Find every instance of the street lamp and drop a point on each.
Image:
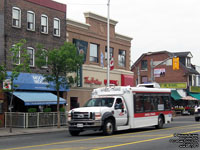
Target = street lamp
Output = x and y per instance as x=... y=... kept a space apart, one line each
x=108 y=45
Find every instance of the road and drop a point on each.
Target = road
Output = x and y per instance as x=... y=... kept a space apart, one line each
x=137 y=139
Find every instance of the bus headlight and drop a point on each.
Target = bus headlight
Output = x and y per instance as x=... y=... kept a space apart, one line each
x=97 y=116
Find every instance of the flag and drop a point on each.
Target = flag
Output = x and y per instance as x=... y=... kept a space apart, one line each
x=112 y=64
x=102 y=64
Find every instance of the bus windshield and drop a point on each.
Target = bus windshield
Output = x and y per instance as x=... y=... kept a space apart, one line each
x=99 y=102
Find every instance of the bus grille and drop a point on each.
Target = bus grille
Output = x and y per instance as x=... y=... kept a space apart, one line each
x=82 y=115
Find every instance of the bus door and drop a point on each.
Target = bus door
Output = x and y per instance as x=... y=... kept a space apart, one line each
x=120 y=112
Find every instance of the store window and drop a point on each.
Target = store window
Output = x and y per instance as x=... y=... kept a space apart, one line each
x=94 y=53
x=56 y=27
x=16 y=17
x=144 y=65
x=31 y=53
x=122 y=58
x=44 y=24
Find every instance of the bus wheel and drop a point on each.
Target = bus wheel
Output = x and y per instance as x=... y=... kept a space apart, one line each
x=108 y=127
x=160 y=123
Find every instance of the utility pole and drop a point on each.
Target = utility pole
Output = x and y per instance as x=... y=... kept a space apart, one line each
x=108 y=45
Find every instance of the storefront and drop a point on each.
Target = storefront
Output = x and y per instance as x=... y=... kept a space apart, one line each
x=33 y=91
x=94 y=77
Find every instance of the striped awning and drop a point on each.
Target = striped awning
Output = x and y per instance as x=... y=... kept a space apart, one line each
x=190 y=98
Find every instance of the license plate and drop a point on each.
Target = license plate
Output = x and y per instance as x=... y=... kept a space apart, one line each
x=79 y=125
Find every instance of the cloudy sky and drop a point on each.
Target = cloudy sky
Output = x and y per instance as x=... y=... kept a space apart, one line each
x=154 y=25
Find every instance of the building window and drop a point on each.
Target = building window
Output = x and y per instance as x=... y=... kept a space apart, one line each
x=122 y=58
x=16 y=56
x=16 y=17
x=144 y=65
x=46 y=58
x=44 y=24
x=94 y=53
x=188 y=62
x=31 y=53
x=111 y=52
x=144 y=79
x=56 y=27
x=31 y=20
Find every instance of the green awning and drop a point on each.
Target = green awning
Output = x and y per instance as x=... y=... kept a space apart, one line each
x=175 y=95
x=195 y=95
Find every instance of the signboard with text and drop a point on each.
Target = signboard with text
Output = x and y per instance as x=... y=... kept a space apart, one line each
x=180 y=85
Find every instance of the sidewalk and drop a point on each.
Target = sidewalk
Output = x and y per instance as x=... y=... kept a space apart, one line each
x=23 y=131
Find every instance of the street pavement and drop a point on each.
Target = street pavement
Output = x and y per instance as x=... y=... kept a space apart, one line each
x=23 y=131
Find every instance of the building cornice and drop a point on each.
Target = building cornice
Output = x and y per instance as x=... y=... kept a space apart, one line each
x=98 y=17
x=77 y=24
x=123 y=37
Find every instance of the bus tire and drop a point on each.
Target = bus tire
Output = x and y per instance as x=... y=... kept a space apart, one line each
x=160 y=123
x=74 y=132
x=108 y=127
x=196 y=119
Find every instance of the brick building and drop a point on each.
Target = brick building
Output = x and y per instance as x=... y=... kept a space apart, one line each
x=91 y=38
x=158 y=67
x=38 y=22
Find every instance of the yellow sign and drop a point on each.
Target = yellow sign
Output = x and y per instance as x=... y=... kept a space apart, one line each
x=181 y=85
x=195 y=89
x=175 y=63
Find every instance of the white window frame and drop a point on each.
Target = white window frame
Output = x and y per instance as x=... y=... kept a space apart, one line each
x=19 y=19
x=19 y=62
x=121 y=63
x=97 y=53
x=31 y=48
x=43 y=15
x=31 y=12
x=56 y=19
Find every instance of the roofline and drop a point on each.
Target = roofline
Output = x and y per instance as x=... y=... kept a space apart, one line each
x=100 y=18
x=77 y=24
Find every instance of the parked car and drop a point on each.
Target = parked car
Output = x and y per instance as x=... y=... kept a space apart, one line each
x=197 y=113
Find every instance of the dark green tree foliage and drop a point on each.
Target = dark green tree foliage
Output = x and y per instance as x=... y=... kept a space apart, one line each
x=59 y=63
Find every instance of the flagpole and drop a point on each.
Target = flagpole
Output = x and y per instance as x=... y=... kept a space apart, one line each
x=108 y=45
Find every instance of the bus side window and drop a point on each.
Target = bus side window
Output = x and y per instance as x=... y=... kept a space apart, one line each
x=166 y=102
x=138 y=100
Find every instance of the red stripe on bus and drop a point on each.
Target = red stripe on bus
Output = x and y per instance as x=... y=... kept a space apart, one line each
x=151 y=92
x=150 y=114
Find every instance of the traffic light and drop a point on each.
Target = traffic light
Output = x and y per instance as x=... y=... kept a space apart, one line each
x=175 y=63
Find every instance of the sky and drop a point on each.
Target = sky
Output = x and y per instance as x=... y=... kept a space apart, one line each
x=154 y=25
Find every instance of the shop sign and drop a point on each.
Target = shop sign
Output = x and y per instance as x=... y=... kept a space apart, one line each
x=180 y=85
x=7 y=84
x=195 y=89
x=92 y=81
x=115 y=82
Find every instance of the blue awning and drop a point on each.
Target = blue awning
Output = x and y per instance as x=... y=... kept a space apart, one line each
x=38 y=98
x=36 y=82
x=175 y=95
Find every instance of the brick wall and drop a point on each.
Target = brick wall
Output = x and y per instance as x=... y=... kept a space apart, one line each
x=170 y=74
x=49 y=41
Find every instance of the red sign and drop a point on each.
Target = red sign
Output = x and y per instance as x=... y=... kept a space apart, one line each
x=92 y=81
x=115 y=82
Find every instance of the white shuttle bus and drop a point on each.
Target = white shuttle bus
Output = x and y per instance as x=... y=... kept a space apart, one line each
x=120 y=108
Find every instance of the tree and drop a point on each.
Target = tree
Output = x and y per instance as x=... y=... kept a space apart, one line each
x=20 y=59
x=59 y=63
